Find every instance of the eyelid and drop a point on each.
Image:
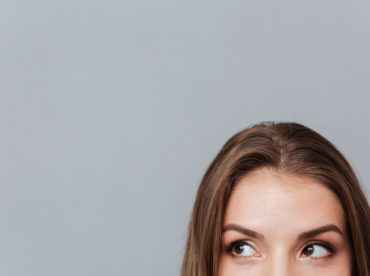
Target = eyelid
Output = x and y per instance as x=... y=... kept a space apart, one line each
x=330 y=248
x=229 y=248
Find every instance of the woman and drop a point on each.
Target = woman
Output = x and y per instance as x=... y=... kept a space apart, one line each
x=278 y=199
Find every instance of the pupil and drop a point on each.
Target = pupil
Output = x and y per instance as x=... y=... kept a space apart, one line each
x=239 y=249
x=308 y=250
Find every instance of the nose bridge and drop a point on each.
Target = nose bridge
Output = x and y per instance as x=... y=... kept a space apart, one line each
x=279 y=263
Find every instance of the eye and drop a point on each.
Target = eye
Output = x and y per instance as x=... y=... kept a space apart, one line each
x=318 y=250
x=240 y=249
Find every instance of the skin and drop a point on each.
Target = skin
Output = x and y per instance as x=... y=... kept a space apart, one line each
x=279 y=207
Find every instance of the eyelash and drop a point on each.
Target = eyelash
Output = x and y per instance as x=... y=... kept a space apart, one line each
x=329 y=247
x=229 y=249
x=231 y=246
x=326 y=245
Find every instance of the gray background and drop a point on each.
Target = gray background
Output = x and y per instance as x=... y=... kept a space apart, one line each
x=111 y=111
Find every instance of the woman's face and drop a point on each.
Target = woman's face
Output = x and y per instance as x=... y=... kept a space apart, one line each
x=280 y=224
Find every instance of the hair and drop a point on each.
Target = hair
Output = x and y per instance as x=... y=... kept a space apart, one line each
x=290 y=148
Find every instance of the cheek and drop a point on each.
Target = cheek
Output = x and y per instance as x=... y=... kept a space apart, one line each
x=340 y=265
x=229 y=267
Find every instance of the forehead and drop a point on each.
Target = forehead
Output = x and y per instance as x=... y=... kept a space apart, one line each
x=268 y=200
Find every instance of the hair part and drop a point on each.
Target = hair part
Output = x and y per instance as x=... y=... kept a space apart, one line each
x=289 y=148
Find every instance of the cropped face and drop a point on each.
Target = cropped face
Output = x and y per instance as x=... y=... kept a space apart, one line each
x=280 y=224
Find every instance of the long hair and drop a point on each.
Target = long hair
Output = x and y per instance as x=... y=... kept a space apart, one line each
x=289 y=147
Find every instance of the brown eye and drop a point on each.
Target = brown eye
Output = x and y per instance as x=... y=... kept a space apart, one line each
x=317 y=250
x=308 y=250
x=240 y=248
x=243 y=250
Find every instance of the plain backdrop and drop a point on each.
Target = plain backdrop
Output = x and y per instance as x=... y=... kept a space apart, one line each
x=111 y=111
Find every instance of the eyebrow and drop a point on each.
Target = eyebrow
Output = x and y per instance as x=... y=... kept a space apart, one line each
x=323 y=229
x=242 y=230
x=304 y=235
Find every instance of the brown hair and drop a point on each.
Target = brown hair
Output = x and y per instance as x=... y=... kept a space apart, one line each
x=286 y=146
